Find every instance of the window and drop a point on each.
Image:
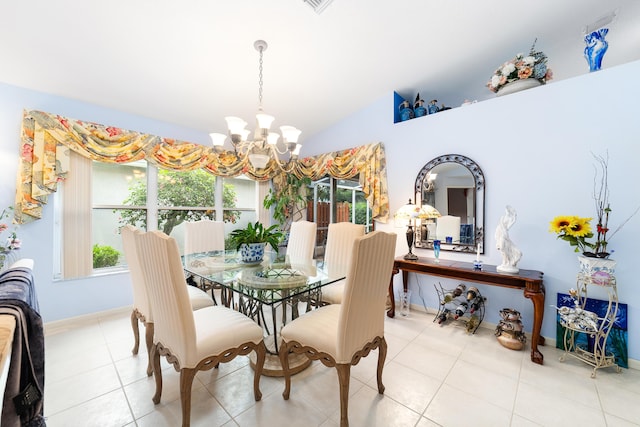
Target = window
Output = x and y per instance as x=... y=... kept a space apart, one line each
x=337 y=200
x=99 y=198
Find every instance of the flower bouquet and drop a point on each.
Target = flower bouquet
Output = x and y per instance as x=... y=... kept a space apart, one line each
x=532 y=66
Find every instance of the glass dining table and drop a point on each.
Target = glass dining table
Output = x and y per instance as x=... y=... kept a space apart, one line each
x=271 y=292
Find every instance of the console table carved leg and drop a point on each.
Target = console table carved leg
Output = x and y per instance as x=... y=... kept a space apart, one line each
x=392 y=310
x=537 y=298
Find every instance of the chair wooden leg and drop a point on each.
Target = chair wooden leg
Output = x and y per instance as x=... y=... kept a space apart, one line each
x=136 y=332
x=148 y=337
x=284 y=361
x=382 y=355
x=186 y=380
x=344 y=372
x=157 y=373
x=261 y=355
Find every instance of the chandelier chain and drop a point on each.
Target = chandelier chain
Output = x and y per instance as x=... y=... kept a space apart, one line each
x=260 y=80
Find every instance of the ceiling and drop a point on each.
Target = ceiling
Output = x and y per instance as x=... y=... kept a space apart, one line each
x=192 y=62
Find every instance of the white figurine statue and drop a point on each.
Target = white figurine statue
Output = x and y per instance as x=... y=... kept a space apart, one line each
x=510 y=253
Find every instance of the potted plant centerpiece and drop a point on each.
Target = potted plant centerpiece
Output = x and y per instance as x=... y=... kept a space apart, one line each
x=251 y=240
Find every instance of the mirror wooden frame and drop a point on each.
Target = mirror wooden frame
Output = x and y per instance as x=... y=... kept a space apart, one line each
x=479 y=185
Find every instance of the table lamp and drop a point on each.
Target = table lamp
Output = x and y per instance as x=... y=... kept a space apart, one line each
x=409 y=212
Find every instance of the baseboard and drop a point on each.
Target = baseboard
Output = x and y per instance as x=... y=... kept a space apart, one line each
x=57 y=326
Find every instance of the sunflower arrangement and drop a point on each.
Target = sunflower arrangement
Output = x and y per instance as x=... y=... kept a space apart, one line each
x=575 y=230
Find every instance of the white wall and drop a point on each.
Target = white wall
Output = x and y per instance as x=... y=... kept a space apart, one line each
x=534 y=148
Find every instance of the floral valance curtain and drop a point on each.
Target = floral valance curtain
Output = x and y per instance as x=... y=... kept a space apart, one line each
x=47 y=138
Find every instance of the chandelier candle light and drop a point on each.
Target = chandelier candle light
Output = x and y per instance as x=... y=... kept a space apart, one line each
x=265 y=144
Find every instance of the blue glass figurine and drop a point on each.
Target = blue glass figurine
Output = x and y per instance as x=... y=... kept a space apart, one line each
x=596 y=48
x=436 y=250
x=418 y=107
x=406 y=113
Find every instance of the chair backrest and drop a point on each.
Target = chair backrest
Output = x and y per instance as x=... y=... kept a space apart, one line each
x=340 y=238
x=448 y=226
x=163 y=273
x=140 y=297
x=302 y=242
x=362 y=311
x=203 y=236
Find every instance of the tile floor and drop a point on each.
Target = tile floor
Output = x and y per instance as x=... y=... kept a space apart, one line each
x=433 y=376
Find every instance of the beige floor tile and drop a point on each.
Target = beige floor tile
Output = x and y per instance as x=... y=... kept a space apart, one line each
x=454 y=407
x=368 y=408
x=434 y=376
x=549 y=407
x=407 y=386
x=108 y=410
x=497 y=389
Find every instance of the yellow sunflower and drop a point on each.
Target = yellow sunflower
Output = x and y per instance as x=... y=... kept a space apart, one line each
x=580 y=227
x=560 y=223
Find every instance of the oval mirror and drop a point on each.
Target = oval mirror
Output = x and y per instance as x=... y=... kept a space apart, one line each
x=450 y=189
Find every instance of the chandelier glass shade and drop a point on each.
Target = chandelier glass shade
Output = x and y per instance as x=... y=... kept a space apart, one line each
x=266 y=145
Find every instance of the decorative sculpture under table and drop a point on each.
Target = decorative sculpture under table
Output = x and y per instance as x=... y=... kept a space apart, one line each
x=510 y=331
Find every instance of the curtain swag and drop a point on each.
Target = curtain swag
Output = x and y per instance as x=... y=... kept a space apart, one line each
x=47 y=138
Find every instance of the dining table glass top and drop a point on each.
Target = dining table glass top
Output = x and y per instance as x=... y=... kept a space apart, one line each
x=271 y=281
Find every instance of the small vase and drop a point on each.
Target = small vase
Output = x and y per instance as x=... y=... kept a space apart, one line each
x=517 y=86
x=406 y=113
x=600 y=270
x=252 y=252
x=596 y=48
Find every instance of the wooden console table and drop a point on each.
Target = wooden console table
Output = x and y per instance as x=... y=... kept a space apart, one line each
x=530 y=281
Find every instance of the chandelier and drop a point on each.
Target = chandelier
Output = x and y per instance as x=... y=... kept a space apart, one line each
x=265 y=145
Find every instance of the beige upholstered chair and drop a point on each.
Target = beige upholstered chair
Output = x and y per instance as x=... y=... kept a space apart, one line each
x=203 y=236
x=141 y=308
x=448 y=226
x=349 y=331
x=191 y=340
x=302 y=242
x=340 y=238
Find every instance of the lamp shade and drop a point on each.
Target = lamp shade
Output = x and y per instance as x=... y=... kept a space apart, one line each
x=218 y=139
x=290 y=134
x=264 y=120
x=428 y=211
x=258 y=161
x=235 y=124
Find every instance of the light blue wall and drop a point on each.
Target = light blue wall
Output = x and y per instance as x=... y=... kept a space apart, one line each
x=535 y=150
x=63 y=299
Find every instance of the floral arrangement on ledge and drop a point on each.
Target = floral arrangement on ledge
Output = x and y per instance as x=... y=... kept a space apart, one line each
x=576 y=230
x=532 y=66
x=12 y=242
